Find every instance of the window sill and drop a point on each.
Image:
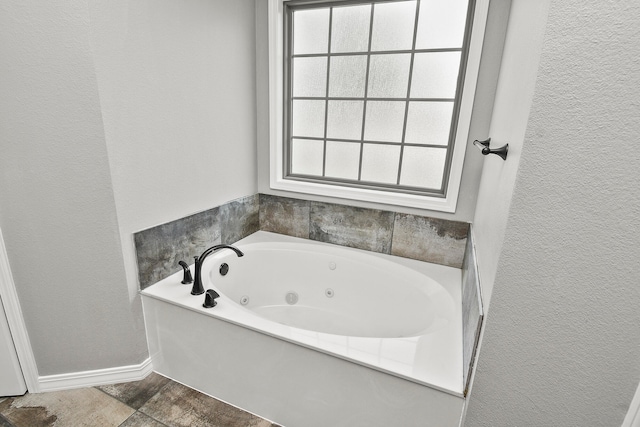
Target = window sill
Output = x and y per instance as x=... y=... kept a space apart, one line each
x=386 y=197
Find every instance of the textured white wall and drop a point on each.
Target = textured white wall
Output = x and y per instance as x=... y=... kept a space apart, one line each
x=57 y=209
x=519 y=68
x=177 y=90
x=116 y=116
x=562 y=339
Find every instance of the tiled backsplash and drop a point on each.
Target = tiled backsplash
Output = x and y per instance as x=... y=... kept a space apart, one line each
x=429 y=239
x=410 y=236
x=284 y=216
x=439 y=241
x=472 y=312
x=159 y=249
x=368 y=229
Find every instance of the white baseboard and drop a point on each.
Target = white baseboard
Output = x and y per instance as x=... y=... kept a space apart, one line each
x=16 y=323
x=633 y=415
x=34 y=382
x=94 y=378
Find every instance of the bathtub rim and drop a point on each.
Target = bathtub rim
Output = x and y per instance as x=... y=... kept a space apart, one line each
x=170 y=290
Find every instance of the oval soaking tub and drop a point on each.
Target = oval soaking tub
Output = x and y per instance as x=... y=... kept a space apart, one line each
x=333 y=290
x=287 y=296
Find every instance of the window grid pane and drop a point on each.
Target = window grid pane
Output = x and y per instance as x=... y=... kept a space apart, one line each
x=406 y=106
x=342 y=160
x=326 y=94
x=310 y=31
x=342 y=87
x=389 y=75
x=350 y=28
x=392 y=25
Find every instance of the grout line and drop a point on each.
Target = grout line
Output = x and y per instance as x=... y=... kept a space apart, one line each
x=127 y=419
x=125 y=403
x=158 y=421
x=4 y=421
x=217 y=399
x=142 y=413
x=309 y=220
x=102 y=391
x=154 y=395
x=393 y=230
x=114 y=397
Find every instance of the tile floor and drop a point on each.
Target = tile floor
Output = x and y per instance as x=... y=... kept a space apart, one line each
x=155 y=401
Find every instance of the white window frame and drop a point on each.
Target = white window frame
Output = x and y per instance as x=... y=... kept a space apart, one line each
x=276 y=133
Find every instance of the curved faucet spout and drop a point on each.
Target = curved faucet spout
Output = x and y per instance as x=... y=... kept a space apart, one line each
x=198 y=289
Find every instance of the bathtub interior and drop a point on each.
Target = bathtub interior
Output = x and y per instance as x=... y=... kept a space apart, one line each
x=333 y=290
x=408 y=325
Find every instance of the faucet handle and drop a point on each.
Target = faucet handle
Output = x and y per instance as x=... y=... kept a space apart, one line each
x=187 y=273
x=210 y=298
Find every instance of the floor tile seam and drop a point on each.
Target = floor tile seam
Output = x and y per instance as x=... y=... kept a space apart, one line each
x=171 y=381
x=114 y=398
x=192 y=410
x=127 y=419
x=5 y=420
x=146 y=415
x=143 y=403
x=159 y=390
x=153 y=418
x=154 y=395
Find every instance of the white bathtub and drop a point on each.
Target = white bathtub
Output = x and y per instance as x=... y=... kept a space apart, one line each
x=307 y=333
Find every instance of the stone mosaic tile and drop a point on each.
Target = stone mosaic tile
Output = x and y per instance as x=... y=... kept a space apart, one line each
x=239 y=218
x=284 y=215
x=139 y=419
x=80 y=407
x=361 y=228
x=136 y=393
x=472 y=313
x=180 y=406
x=429 y=239
x=159 y=249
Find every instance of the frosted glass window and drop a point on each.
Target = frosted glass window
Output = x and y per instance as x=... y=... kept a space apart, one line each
x=343 y=160
x=393 y=26
x=429 y=123
x=389 y=76
x=372 y=94
x=435 y=75
x=344 y=119
x=307 y=156
x=308 y=118
x=310 y=76
x=311 y=31
x=441 y=24
x=350 y=28
x=384 y=121
x=347 y=76
x=380 y=163
x=423 y=167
